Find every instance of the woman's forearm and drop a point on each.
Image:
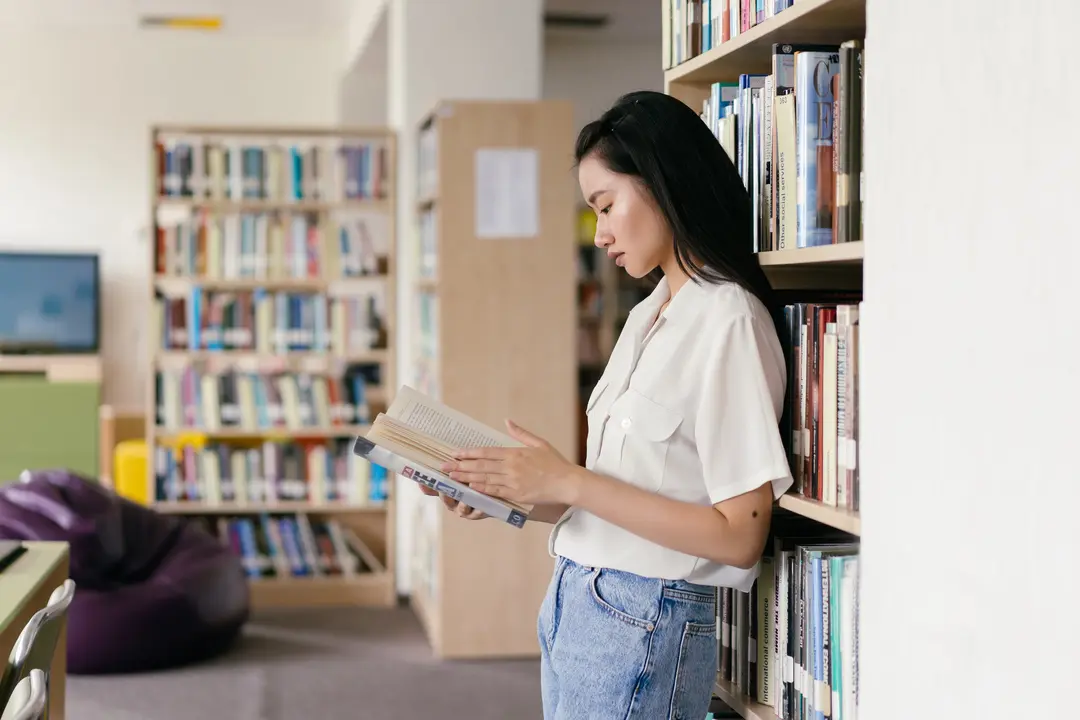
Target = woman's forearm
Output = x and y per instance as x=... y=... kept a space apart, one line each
x=549 y=514
x=699 y=530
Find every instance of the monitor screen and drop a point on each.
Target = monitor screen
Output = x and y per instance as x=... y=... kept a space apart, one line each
x=49 y=303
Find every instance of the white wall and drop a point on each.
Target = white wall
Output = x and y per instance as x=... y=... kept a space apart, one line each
x=365 y=88
x=593 y=75
x=970 y=379
x=75 y=111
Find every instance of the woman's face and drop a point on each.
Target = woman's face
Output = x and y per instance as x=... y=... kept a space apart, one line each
x=629 y=225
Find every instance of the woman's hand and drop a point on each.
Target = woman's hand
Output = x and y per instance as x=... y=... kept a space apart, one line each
x=460 y=509
x=532 y=475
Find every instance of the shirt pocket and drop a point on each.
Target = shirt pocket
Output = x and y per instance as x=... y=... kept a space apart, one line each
x=647 y=429
x=595 y=414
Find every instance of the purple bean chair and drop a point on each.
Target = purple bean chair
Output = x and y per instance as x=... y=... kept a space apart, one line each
x=153 y=591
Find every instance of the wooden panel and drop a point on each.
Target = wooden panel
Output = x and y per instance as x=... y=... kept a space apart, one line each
x=507 y=319
x=507 y=307
x=367 y=590
x=34 y=412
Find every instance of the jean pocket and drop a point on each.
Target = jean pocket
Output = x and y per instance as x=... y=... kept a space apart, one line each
x=631 y=598
x=695 y=673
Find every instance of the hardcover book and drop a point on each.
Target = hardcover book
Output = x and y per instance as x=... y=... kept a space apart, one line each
x=417 y=434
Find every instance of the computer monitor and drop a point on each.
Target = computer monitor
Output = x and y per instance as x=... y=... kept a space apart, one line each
x=49 y=303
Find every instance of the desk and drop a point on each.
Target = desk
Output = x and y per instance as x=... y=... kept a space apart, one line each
x=25 y=587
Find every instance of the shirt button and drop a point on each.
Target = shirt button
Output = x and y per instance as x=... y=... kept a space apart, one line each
x=626 y=423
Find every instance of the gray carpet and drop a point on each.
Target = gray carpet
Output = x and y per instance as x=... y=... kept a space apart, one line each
x=328 y=664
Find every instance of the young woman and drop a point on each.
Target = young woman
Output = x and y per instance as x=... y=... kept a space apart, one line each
x=684 y=454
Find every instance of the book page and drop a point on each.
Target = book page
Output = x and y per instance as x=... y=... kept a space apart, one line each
x=448 y=426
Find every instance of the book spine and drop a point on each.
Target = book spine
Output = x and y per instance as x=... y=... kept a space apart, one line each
x=439 y=482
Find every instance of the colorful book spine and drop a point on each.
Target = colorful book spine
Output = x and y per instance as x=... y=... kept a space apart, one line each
x=815 y=182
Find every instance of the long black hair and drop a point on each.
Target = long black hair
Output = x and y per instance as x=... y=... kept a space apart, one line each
x=665 y=145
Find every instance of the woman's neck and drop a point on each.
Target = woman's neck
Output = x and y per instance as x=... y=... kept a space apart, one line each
x=675 y=276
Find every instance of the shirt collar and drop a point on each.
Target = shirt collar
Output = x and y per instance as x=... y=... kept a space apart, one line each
x=685 y=301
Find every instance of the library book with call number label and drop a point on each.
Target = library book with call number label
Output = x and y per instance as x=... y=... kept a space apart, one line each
x=417 y=434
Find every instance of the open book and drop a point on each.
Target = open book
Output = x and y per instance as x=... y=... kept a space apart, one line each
x=417 y=434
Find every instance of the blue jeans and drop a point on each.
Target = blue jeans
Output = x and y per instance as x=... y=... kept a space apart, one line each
x=618 y=646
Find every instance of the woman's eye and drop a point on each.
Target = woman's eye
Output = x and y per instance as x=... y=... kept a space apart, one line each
x=605 y=210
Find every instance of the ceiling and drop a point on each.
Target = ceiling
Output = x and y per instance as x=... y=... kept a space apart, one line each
x=627 y=18
x=247 y=16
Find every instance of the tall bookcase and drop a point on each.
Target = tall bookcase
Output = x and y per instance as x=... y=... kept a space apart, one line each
x=790 y=646
x=271 y=347
x=496 y=338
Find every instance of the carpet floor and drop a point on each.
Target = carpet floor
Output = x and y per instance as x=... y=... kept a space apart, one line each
x=338 y=664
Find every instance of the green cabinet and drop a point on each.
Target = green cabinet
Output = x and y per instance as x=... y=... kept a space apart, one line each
x=48 y=424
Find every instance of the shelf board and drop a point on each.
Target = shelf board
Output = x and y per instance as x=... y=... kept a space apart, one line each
x=740 y=703
x=374 y=132
x=831 y=255
x=338 y=431
x=809 y=21
x=198 y=508
x=839 y=518
x=174 y=357
x=334 y=286
x=364 y=589
x=257 y=205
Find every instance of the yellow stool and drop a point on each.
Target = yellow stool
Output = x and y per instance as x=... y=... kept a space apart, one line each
x=129 y=471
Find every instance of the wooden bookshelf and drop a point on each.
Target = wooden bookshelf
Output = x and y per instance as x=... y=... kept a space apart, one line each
x=284 y=240
x=807 y=21
x=829 y=267
x=741 y=704
x=496 y=338
x=839 y=518
x=846 y=254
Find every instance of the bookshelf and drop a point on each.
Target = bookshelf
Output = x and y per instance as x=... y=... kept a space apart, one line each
x=271 y=348
x=731 y=66
x=495 y=337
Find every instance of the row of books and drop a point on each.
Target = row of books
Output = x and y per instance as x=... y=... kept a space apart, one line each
x=427 y=149
x=271 y=322
x=428 y=244
x=821 y=420
x=304 y=169
x=693 y=27
x=792 y=642
x=271 y=246
x=219 y=474
x=796 y=137
x=428 y=347
x=279 y=546
x=189 y=398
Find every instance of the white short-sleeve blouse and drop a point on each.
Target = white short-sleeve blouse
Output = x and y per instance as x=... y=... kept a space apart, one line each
x=688 y=407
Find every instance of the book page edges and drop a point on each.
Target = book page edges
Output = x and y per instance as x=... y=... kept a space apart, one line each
x=421 y=457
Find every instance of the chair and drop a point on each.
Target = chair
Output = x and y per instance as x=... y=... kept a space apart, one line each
x=155 y=591
x=36 y=644
x=30 y=698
